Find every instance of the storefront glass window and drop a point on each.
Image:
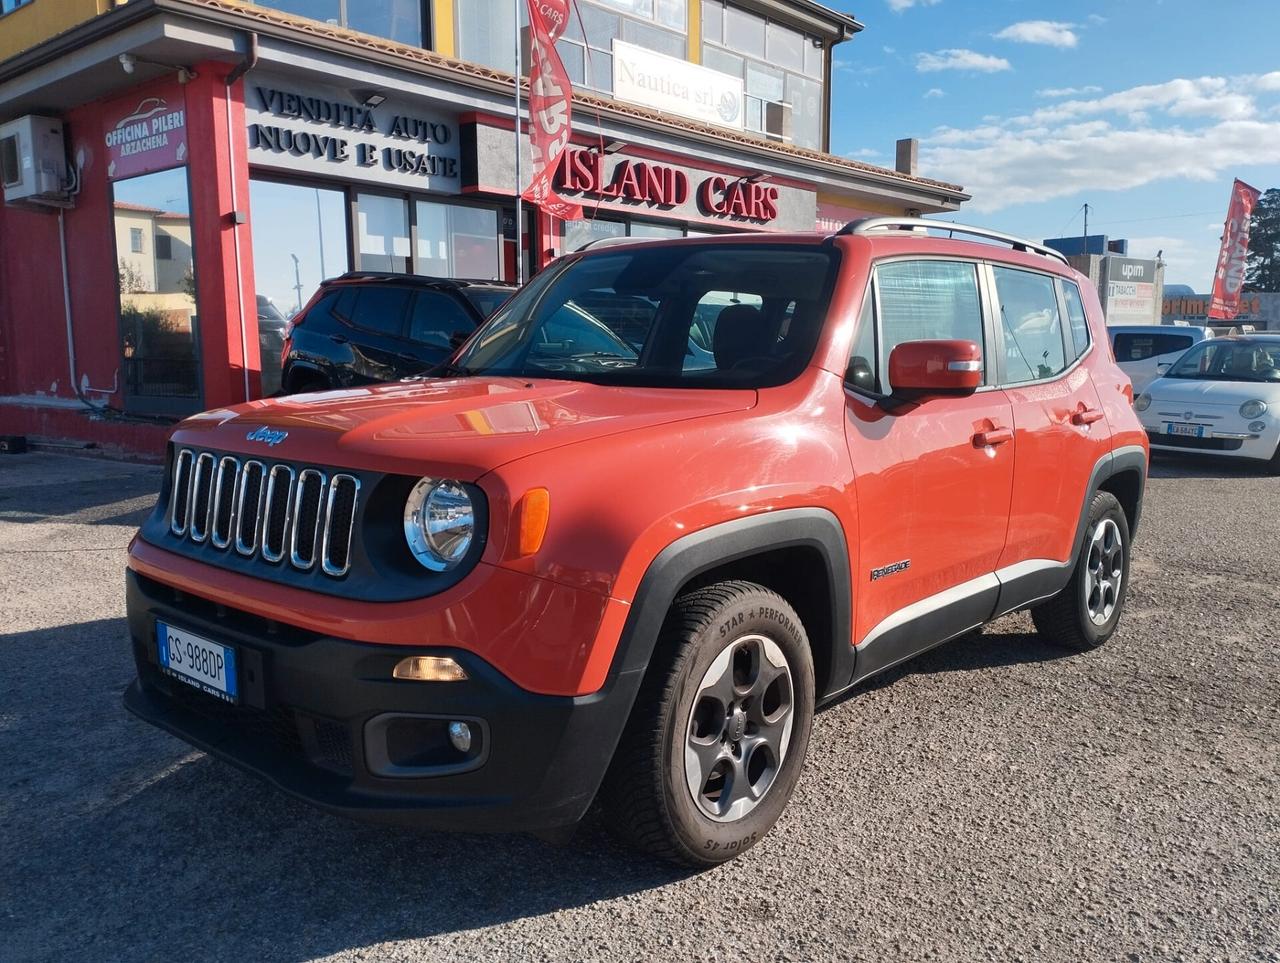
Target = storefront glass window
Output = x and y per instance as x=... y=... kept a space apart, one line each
x=457 y=241
x=649 y=229
x=583 y=231
x=399 y=20
x=744 y=32
x=382 y=225
x=299 y=240
x=159 y=315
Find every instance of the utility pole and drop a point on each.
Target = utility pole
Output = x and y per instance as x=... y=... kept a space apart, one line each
x=519 y=198
x=1086 y=228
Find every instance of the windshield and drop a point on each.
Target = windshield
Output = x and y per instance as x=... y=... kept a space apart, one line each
x=487 y=300
x=1229 y=361
x=687 y=315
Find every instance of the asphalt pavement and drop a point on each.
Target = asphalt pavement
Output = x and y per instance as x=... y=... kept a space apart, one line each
x=995 y=799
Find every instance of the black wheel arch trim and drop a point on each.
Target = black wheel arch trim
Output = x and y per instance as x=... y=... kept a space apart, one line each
x=699 y=552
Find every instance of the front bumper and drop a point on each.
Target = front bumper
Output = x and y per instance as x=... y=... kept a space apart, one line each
x=313 y=715
x=1225 y=440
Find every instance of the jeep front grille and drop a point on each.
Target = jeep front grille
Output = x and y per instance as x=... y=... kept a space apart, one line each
x=270 y=512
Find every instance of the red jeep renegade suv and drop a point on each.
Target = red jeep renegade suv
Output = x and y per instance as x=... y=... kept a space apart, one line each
x=671 y=498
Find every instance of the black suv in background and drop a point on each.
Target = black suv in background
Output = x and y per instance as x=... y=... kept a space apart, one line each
x=365 y=327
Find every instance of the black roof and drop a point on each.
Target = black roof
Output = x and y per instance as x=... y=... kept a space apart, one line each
x=416 y=280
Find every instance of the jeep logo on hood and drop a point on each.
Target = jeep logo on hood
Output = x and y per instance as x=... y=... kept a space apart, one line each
x=269 y=435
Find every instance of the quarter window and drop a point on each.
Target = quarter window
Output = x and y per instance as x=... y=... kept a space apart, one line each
x=1076 y=317
x=378 y=309
x=1032 y=325
x=925 y=301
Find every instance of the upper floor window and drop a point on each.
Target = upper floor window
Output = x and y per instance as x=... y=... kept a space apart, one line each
x=8 y=6
x=486 y=34
x=135 y=240
x=781 y=67
x=398 y=20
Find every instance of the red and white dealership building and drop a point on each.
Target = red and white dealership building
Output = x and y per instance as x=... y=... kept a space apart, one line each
x=175 y=169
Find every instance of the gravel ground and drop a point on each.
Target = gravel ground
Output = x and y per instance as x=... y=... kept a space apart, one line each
x=994 y=799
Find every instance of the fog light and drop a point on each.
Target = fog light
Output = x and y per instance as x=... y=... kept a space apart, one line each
x=1258 y=427
x=460 y=736
x=429 y=668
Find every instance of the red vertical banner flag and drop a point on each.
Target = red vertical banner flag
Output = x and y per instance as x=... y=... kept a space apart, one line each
x=550 y=106
x=1228 y=277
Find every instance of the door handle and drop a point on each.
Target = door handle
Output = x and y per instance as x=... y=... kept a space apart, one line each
x=1086 y=416
x=995 y=436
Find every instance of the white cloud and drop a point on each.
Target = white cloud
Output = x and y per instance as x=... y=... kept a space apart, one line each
x=890 y=50
x=934 y=92
x=897 y=6
x=1055 y=92
x=1006 y=166
x=959 y=59
x=1186 y=262
x=1051 y=33
x=863 y=153
x=1215 y=97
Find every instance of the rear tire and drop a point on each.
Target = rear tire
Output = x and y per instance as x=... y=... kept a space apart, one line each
x=717 y=737
x=1087 y=611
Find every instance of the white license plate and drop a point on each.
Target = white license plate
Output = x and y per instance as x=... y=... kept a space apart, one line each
x=209 y=666
x=1178 y=428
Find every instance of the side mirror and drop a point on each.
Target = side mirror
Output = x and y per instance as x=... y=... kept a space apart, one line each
x=1164 y=366
x=935 y=368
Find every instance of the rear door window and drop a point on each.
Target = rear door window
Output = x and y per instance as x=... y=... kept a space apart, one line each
x=380 y=309
x=1034 y=343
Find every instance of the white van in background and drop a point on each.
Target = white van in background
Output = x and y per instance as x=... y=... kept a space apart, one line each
x=1142 y=349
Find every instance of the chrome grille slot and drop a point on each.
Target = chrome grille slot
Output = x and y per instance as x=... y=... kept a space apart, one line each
x=249 y=507
x=273 y=512
x=224 y=501
x=307 y=513
x=201 y=497
x=277 y=512
x=339 y=522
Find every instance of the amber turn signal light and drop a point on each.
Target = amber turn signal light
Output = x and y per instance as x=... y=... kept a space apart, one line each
x=429 y=668
x=532 y=513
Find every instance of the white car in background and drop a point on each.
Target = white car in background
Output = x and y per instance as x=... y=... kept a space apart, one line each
x=1143 y=350
x=1222 y=397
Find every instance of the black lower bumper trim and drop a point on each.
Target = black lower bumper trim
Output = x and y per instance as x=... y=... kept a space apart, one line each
x=306 y=700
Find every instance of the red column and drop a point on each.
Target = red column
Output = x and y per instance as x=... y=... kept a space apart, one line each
x=219 y=169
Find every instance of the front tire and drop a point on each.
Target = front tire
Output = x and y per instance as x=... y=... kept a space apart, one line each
x=1087 y=611
x=719 y=731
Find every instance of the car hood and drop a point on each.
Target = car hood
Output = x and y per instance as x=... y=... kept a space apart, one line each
x=1201 y=393
x=462 y=427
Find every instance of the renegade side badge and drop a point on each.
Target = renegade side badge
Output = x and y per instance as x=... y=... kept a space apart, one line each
x=894 y=569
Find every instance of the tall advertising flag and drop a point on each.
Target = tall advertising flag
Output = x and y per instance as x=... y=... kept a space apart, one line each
x=550 y=106
x=1228 y=278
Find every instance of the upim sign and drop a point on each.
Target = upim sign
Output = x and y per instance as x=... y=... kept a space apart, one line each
x=583 y=171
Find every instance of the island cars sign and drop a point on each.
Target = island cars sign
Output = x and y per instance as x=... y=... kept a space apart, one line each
x=664 y=188
x=146 y=133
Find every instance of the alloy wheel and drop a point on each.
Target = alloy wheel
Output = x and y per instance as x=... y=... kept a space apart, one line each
x=739 y=728
x=1104 y=570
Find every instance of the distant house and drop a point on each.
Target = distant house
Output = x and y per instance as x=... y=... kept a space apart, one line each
x=153 y=249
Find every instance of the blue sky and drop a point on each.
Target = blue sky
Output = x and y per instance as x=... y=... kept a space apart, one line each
x=1146 y=109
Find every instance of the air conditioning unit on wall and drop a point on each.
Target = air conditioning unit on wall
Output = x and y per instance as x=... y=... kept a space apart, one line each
x=33 y=161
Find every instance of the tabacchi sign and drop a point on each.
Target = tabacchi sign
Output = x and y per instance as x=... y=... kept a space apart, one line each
x=146 y=134
x=656 y=185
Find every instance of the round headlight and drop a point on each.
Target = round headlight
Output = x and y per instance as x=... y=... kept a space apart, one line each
x=1142 y=402
x=1253 y=409
x=439 y=523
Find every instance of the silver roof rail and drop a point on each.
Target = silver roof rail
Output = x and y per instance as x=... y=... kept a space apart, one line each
x=867 y=225
x=614 y=242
